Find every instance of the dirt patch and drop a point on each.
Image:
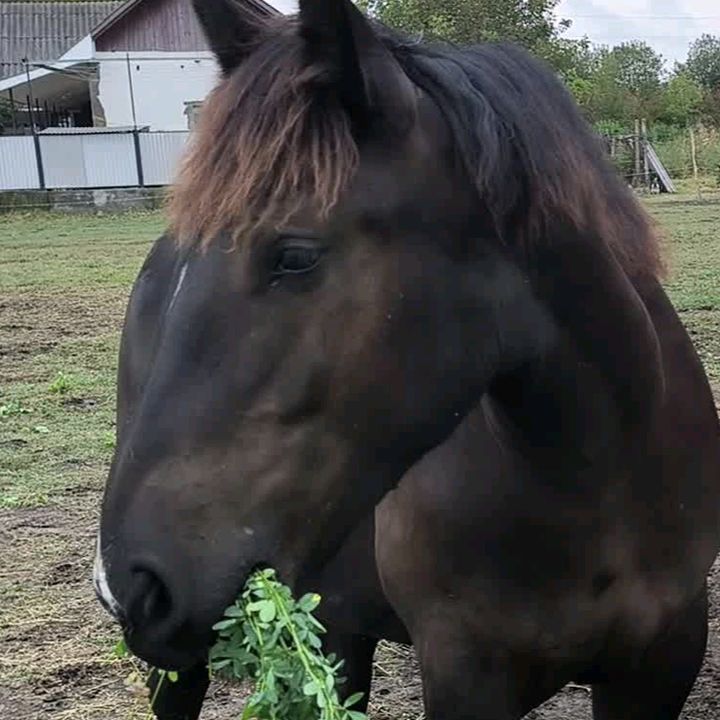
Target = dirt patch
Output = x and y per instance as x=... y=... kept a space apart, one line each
x=33 y=324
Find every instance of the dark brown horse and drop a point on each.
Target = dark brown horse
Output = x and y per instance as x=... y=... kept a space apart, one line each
x=405 y=277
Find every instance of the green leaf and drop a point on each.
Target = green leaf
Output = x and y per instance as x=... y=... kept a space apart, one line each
x=268 y=612
x=234 y=611
x=220 y=664
x=309 y=602
x=224 y=624
x=353 y=700
x=355 y=715
x=172 y=676
x=121 y=649
x=311 y=688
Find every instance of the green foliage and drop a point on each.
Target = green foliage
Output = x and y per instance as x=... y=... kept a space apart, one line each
x=12 y=409
x=635 y=67
x=676 y=155
x=703 y=63
x=627 y=82
x=62 y=384
x=683 y=100
x=621 y=83
x=274 y=640
x=528 y=22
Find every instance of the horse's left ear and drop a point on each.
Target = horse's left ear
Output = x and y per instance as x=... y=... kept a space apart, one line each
x=368 y=79
x=229 y=29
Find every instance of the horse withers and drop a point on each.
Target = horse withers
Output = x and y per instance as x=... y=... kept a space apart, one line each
x=404 y=280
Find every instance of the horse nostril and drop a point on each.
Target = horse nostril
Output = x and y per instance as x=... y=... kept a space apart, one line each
x=150 y=604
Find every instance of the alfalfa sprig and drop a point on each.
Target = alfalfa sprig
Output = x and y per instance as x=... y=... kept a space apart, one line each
x=273 y=640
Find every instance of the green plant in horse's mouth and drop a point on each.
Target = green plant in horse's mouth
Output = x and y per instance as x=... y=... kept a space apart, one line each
x=273 y=640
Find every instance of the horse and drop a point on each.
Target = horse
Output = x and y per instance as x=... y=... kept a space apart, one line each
x=408 y=317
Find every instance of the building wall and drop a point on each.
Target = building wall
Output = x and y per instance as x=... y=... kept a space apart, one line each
x=162 y=84
x=160 y=25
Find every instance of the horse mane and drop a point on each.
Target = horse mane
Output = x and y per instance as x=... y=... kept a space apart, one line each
x=273 y=139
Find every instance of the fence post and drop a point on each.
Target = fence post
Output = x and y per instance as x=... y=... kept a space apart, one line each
x=36 y=139
x=636 y=179
x=693 y=152
x=138 y=158
x=646 y=163
x=136 y=134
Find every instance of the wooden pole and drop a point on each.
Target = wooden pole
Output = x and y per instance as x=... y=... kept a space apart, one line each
x=636 y=139
x=646 y=164
x=693 y=152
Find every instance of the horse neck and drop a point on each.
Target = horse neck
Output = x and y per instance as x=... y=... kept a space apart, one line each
x=558 y=410
x=594 y=388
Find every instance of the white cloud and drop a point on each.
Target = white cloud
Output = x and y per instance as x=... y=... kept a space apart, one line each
x=668 y=25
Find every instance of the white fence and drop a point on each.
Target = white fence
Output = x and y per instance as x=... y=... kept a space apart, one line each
x=18 y=164
x=92 y=160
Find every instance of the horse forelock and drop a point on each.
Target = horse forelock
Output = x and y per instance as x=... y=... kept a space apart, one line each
x=274 y=139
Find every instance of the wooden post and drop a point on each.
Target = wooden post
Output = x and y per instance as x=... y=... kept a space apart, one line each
x=693 y=152
x=636 y=141
x=646 y=164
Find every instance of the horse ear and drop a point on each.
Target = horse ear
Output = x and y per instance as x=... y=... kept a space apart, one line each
x=370 y=82
x=229 y=29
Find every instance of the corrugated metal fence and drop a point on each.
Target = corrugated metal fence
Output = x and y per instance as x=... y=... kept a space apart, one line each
x=93 y=160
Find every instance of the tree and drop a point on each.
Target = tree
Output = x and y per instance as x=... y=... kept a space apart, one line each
x=619 y=84
x=682 y=100
x=636 y=68
x=531 y=23
x=703 y=63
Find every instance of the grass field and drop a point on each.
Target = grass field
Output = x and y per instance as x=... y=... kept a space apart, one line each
x=64 y=282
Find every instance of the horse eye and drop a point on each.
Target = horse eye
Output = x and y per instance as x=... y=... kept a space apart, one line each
x=297 y=259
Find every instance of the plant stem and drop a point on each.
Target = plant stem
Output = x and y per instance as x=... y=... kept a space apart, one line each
x=301 y=651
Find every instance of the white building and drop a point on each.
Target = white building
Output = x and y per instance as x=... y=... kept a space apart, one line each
x=140 y=63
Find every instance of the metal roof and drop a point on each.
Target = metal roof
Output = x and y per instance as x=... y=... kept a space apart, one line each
x=43 y=31
x=114 y=130
x=265 y=7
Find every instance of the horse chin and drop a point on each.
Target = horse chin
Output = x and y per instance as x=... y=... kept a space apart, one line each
x=178 y=655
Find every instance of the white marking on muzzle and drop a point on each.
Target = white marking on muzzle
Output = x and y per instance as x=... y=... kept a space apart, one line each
x=101 y=583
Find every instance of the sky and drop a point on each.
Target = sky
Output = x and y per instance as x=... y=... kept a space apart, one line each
x=668 y=25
